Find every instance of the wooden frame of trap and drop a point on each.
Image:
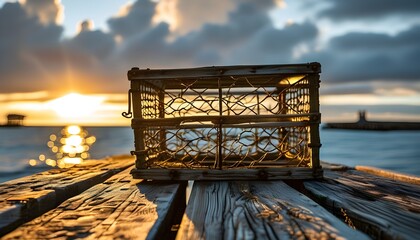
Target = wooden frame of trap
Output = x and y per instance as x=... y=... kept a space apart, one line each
x=226 y=122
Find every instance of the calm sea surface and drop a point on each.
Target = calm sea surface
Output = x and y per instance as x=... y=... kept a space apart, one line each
x=394 y=150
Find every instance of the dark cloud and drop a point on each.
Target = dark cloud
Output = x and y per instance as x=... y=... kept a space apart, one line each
x=356 y=57
x=342 y=89
x=93 y=42
x=274 y=45
x=189 y=19
x=97 y=61
x=247 y=37
x=147 y=49
x=22 y=36
x=357 y=41
x=47 y=11
x=221 y=39
x=35 y=57
x=138 y=18
x=18 y=29
x=351 y=10
x=191 y=15
x=243 y=23
x=86 y=25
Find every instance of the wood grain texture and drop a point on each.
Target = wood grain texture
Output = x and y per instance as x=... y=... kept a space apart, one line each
x=119 y=208
x=228 y=174
x=28 y=197
x=381 y=207
x=389 y=174
x=257 y=210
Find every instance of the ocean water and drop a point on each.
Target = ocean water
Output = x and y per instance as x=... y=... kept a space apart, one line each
x=393 y=150
x=19 y=145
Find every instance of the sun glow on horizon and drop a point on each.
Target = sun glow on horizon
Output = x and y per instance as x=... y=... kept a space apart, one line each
x=40 y=109
x=75 y=105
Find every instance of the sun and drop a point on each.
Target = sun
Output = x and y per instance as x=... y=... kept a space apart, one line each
x=75 y=105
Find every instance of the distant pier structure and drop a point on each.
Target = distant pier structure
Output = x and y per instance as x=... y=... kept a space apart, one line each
x=15 y=120
x=364 y=124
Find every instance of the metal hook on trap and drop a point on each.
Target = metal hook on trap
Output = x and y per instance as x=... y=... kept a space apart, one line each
x=128 y=114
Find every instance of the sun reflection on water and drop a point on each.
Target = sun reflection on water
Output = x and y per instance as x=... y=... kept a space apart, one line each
x=70 y=148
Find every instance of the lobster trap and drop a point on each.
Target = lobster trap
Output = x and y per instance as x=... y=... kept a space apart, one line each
x=231 y=122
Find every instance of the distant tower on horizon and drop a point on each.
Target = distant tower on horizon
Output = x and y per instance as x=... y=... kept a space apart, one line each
x=362 y=116
x=15 y=120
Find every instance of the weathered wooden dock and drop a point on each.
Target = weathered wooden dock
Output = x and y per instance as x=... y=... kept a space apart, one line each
x=100 y=200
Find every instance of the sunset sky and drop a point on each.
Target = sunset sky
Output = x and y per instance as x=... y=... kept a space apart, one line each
x=73 y=55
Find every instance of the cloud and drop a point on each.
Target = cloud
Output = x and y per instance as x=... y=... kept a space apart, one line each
x=344 y=89
x=275 y=45
x=86 y=25
x=92 y=42
x=243 y=22
x=136 y=19
x=149 y=49
x=185 y=16
x=358 y=57
x=188 y=15
x=48 y=11
x=37 y=57
x=361 y=9
x=247 y=37
x=18 y=29
x=22 y=37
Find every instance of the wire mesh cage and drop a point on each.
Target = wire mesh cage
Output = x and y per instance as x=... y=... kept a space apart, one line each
x=231 y=122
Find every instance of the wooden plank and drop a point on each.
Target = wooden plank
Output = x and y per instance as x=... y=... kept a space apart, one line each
x=28 y=197
x=257 y=210
x=119 y=208
x=232 y=119
x=389 y=174
x=228 y=174
x=381 y=207
x=220 y=71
